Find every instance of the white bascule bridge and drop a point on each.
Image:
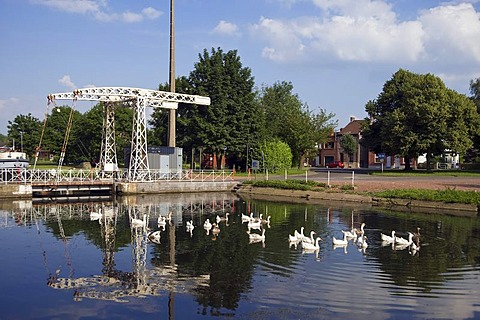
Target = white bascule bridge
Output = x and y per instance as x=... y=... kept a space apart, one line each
x=136 y=98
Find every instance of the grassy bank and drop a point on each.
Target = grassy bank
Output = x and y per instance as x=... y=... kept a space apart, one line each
x=446 y=196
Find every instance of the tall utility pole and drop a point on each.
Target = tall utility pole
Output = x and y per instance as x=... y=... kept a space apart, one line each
x=172 y=112
x=171 y=143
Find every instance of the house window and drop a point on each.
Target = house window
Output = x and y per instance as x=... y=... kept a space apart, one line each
x=331 y=145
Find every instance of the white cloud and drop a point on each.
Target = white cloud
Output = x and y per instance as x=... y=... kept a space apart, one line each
x=132 y=17
x=285 y=39
x=67 y=82
x=151 y=13
x=8 y=103
x=73 y=6
x=370 y=31
x=226 y=28
x=452 y=33
x=357 y=8
x=99 y=9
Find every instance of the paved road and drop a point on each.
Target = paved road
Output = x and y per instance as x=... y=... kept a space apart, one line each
x=365 y=181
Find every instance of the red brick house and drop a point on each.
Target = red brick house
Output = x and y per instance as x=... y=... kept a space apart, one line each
x=333 y=151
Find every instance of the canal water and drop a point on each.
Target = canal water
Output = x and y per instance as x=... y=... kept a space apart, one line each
x=63 y=261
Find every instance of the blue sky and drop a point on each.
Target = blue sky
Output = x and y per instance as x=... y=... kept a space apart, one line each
x=337 y=53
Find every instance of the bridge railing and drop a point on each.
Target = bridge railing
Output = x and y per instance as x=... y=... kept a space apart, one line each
x=50 y=176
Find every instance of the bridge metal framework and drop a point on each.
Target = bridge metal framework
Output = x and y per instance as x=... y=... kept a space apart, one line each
x=138 y=99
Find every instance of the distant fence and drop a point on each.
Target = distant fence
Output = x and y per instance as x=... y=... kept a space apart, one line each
x=36 y=176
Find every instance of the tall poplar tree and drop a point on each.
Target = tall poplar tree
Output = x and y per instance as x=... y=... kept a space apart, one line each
x=232 y=123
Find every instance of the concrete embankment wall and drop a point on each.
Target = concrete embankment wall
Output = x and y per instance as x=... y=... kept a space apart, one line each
x=172 y=187
x=15 y=191
x=457 y=209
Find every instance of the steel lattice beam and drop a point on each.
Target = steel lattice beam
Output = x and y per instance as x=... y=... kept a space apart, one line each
x=139 y=169
x=138 y=99
x=108 y=154
x=153 y=98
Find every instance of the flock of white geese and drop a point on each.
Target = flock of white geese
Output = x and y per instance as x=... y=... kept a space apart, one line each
x=357 y=237
x=256 y=223
x=308 y=243
x=399 y=243
x=311 y=244
x=163 y=220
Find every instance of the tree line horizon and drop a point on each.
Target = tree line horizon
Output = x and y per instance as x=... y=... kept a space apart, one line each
x=414 y=114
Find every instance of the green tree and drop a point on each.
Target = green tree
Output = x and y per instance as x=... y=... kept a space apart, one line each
x=463 y=123
x=90 y=132
x=55 y=134
x=158 y=134
x=232 y=121
x=349 y=145
x=3 y=140
x=413 y=115
x=473 y=154
x=277 y=155
x=25 y=129
x=288 y=119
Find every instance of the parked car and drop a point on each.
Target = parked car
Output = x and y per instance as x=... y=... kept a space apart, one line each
x=335 y=164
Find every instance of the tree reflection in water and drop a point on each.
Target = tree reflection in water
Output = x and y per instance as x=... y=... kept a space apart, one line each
x=226 y=274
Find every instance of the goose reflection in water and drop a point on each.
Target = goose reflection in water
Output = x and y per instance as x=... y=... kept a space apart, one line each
x=154 y=236
x=256 y=238
x=189 y=227
x=343 y=246
x=137 y=223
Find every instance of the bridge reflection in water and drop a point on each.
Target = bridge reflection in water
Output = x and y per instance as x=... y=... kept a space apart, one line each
x=112 y=218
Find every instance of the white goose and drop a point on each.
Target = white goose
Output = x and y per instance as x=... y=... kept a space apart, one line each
x=293 y=238
x=340 y=242
x=255 y=237
x=137 y=223
x=350 y=234
x=361 y=232
x=414 y=246
x=310 y=246
x=309 y=240
x=388 y=239
x=302 y=236
x=362 y=242
x=403 y=241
